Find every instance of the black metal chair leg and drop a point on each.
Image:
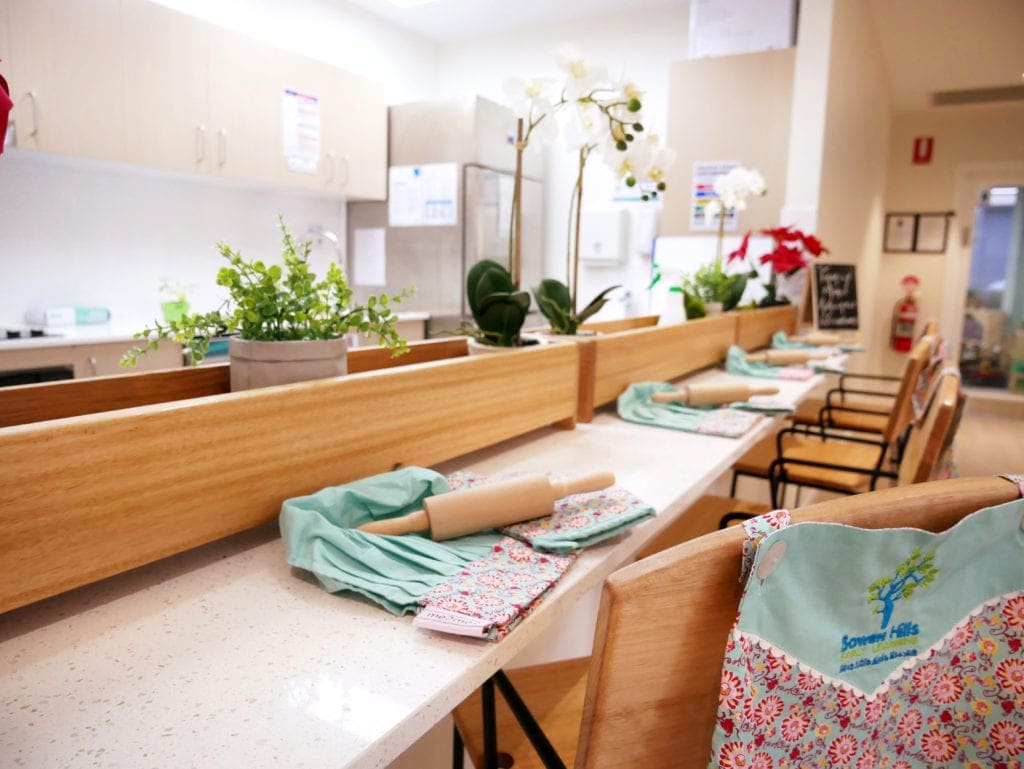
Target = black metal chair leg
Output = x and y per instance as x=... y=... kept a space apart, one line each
x=458 y=749
x=545 y=750
x=490 y=724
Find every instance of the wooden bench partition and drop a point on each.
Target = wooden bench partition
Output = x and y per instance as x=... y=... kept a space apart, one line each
x=610 y=363
x=754 y=328
x=621 y=324
x=82 y=499
x=56 y=400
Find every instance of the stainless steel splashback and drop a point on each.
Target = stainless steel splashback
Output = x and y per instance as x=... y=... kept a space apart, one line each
x=474 y=133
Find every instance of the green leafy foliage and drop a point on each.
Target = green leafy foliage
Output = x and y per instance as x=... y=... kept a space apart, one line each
x=279 y=302
x=498 y=308
x=711 y=283
x=555 y=303
x=917 y=571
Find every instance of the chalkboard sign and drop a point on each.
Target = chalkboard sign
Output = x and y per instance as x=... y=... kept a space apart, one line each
x=835 y=296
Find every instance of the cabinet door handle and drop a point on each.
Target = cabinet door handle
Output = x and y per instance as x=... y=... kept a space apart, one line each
x=33 y=98
x=222 y=148
x=332 y=168
x=200 y=143
x=92 y=366
x=345 y=165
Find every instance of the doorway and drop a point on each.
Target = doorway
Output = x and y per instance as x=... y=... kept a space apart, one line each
x=992 y=346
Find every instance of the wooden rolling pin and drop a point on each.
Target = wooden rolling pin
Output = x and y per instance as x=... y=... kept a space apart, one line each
x=785 y=357
x=821 y=338
x=712 y=394
x=489 y=506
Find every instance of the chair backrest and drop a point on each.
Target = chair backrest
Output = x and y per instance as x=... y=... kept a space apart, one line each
x=930 y=438
x=652 y=694
x=902 y=413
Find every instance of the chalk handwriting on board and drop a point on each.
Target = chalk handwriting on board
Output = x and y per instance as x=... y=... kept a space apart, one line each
x=837 y=295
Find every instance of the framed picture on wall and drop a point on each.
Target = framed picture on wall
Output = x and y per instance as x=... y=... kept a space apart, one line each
x=899 y=232
x=930 y=237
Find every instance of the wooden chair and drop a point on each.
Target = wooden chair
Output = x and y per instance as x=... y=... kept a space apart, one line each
x=649 y=694
x=850 y=465
x=858 y=451
x=862 y=402
x=652 y=691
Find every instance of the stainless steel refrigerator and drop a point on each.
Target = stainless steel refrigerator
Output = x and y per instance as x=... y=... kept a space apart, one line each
x=472 y=218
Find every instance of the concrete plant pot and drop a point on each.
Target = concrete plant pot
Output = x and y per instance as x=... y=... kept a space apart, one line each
x=479 y=348
x=265 y=364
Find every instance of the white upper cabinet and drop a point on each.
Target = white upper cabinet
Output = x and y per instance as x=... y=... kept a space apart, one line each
x=245 y=110
x=66 y=76
x=361 y=134
x=133 y=81
x=166 y=88
x=5 y=40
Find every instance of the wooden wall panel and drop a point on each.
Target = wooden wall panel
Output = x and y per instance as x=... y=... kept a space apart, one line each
x=57 y=400
x=659 y=353
x=87 y=498
x=754 y=328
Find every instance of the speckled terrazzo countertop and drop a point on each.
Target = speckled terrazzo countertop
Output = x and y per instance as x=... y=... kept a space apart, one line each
x=226 y=657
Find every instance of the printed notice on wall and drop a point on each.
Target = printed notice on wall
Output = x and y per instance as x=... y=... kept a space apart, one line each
x=369 y=253
x=704 y=174
x=423 y=196
x=301 y=131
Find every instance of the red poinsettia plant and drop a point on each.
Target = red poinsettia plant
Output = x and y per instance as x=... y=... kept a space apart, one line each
x=793 y=251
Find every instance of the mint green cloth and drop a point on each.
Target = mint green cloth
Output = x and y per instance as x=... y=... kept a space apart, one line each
x=634 y=405
x=822 y=599
x=736 y=363
x=319 y=533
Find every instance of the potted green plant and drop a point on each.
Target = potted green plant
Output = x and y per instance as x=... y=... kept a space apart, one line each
x=711 y=289
x=282 y=322
x=499 y=308
x=605 y=116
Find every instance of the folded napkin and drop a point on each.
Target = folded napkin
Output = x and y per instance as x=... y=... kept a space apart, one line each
x=490 y=596
x=736 y=363
x=635 y=405
x=319 y=534
x=578 y=521
x=765 y=404
x=835 y=364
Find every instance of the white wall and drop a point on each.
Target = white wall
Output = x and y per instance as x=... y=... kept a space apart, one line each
x=855 y=153
x=639 y=45
x=98 y=234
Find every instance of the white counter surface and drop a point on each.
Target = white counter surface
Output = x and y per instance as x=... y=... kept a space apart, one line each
x=226 y=657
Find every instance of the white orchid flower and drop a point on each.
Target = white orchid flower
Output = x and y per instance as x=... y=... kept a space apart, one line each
x=529 y=98
x=585 y=125
x=712 y=210
x=583 y=78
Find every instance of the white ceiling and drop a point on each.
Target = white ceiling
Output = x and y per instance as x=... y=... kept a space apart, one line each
x=449 y=21
x=927 y=45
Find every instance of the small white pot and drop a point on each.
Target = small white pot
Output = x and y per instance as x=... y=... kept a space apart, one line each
x=264 y=364
x=478 y=348
x=711 y=309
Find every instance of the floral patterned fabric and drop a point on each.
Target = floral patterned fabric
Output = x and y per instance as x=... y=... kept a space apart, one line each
x=756 y=530
x=1015 y=478
x=578 y=521
x=810 y=680
x=492 y=595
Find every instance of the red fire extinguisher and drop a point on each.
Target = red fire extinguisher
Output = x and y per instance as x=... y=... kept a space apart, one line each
x=904 y=316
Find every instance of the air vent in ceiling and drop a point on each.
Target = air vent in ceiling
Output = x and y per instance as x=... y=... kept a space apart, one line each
x=978 y=96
